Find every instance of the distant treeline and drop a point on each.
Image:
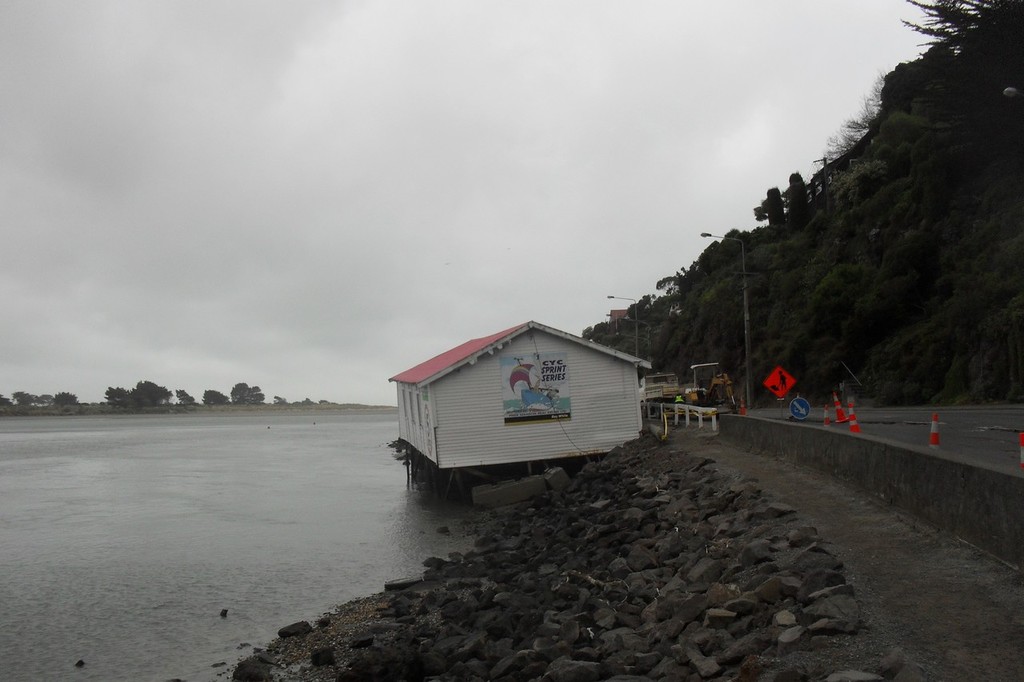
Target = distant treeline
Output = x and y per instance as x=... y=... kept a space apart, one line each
x=85 y=409
x=148 y=396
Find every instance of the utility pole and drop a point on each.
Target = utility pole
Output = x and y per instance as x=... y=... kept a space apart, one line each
x=824 y=180
x=746 y=308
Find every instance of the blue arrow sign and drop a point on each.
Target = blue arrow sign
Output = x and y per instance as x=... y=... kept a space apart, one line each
x=800 y=409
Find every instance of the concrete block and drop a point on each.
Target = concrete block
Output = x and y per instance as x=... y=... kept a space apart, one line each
x=508 y=492
x=556 y=478
x=402 y=583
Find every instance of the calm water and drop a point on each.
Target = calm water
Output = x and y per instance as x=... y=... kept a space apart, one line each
x=122 y=538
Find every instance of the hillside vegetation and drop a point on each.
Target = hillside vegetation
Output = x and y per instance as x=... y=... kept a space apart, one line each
x=900 y=263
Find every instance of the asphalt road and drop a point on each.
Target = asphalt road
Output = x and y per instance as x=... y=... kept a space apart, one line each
x=987 y=436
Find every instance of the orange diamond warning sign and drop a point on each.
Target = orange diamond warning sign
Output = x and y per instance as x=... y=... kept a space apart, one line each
x=779 y=382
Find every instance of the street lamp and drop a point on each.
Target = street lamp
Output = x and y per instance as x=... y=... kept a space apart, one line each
x=636 y=323
x=1012 y=92
x=746 y=308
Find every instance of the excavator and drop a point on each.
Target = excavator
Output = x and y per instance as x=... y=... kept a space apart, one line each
x=710 y=387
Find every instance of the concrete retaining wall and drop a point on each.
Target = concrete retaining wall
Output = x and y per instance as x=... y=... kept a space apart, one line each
x=980 y=506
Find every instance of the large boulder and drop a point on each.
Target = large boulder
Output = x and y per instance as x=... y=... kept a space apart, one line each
x=295 y=630
x=251 y=670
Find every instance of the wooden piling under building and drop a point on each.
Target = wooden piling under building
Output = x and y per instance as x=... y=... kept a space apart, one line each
x=458 y=482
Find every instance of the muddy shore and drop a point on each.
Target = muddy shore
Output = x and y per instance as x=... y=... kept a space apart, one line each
x=670 y=562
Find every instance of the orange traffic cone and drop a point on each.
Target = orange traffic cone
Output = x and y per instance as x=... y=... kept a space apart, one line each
x=840 y=416
x=743 y=407
x=827 y=422
x=933 y=439
x=854 y=426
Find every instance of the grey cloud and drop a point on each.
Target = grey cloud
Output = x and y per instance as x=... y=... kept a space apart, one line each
x=314 y=196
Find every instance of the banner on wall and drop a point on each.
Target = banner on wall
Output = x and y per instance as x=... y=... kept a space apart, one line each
x=535 y=387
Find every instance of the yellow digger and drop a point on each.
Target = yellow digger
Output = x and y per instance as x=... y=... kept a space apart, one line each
x=710 y=388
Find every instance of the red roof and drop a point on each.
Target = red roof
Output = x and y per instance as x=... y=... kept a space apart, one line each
x=439 y=363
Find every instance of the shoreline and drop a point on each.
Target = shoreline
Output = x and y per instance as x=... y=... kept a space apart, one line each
x=103 y=410
x=653 y=564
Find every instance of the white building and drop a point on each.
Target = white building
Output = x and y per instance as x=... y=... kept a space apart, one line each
x=525 y=394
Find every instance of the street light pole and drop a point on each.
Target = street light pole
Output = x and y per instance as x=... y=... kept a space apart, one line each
x=636 y=323
x=646 y=324
x=746 y=309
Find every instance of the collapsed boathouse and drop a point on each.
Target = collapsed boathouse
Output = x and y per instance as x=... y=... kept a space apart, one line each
x=523 y=395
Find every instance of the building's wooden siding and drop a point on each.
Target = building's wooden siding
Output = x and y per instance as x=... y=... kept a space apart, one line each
x=468 y=417
x=415 y=419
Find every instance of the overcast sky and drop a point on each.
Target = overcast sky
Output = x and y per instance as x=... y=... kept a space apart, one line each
x=314 y=196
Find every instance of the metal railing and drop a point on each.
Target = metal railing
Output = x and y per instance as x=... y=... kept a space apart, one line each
x=663 y=411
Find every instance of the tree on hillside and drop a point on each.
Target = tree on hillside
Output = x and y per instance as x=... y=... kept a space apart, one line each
x=799 y=208
x=212 y=397
x=854 y=186
x=670 y=284
x=858 y=126
x=118 y=397
x=976 y=53
x=243 y=394
x=148 y=394
x=4 y=401
x=278 y=400
x=772 y=209
x=65 y=399
x=184 y=398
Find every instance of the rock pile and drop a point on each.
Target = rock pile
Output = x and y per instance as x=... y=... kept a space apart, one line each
x=650 y=565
